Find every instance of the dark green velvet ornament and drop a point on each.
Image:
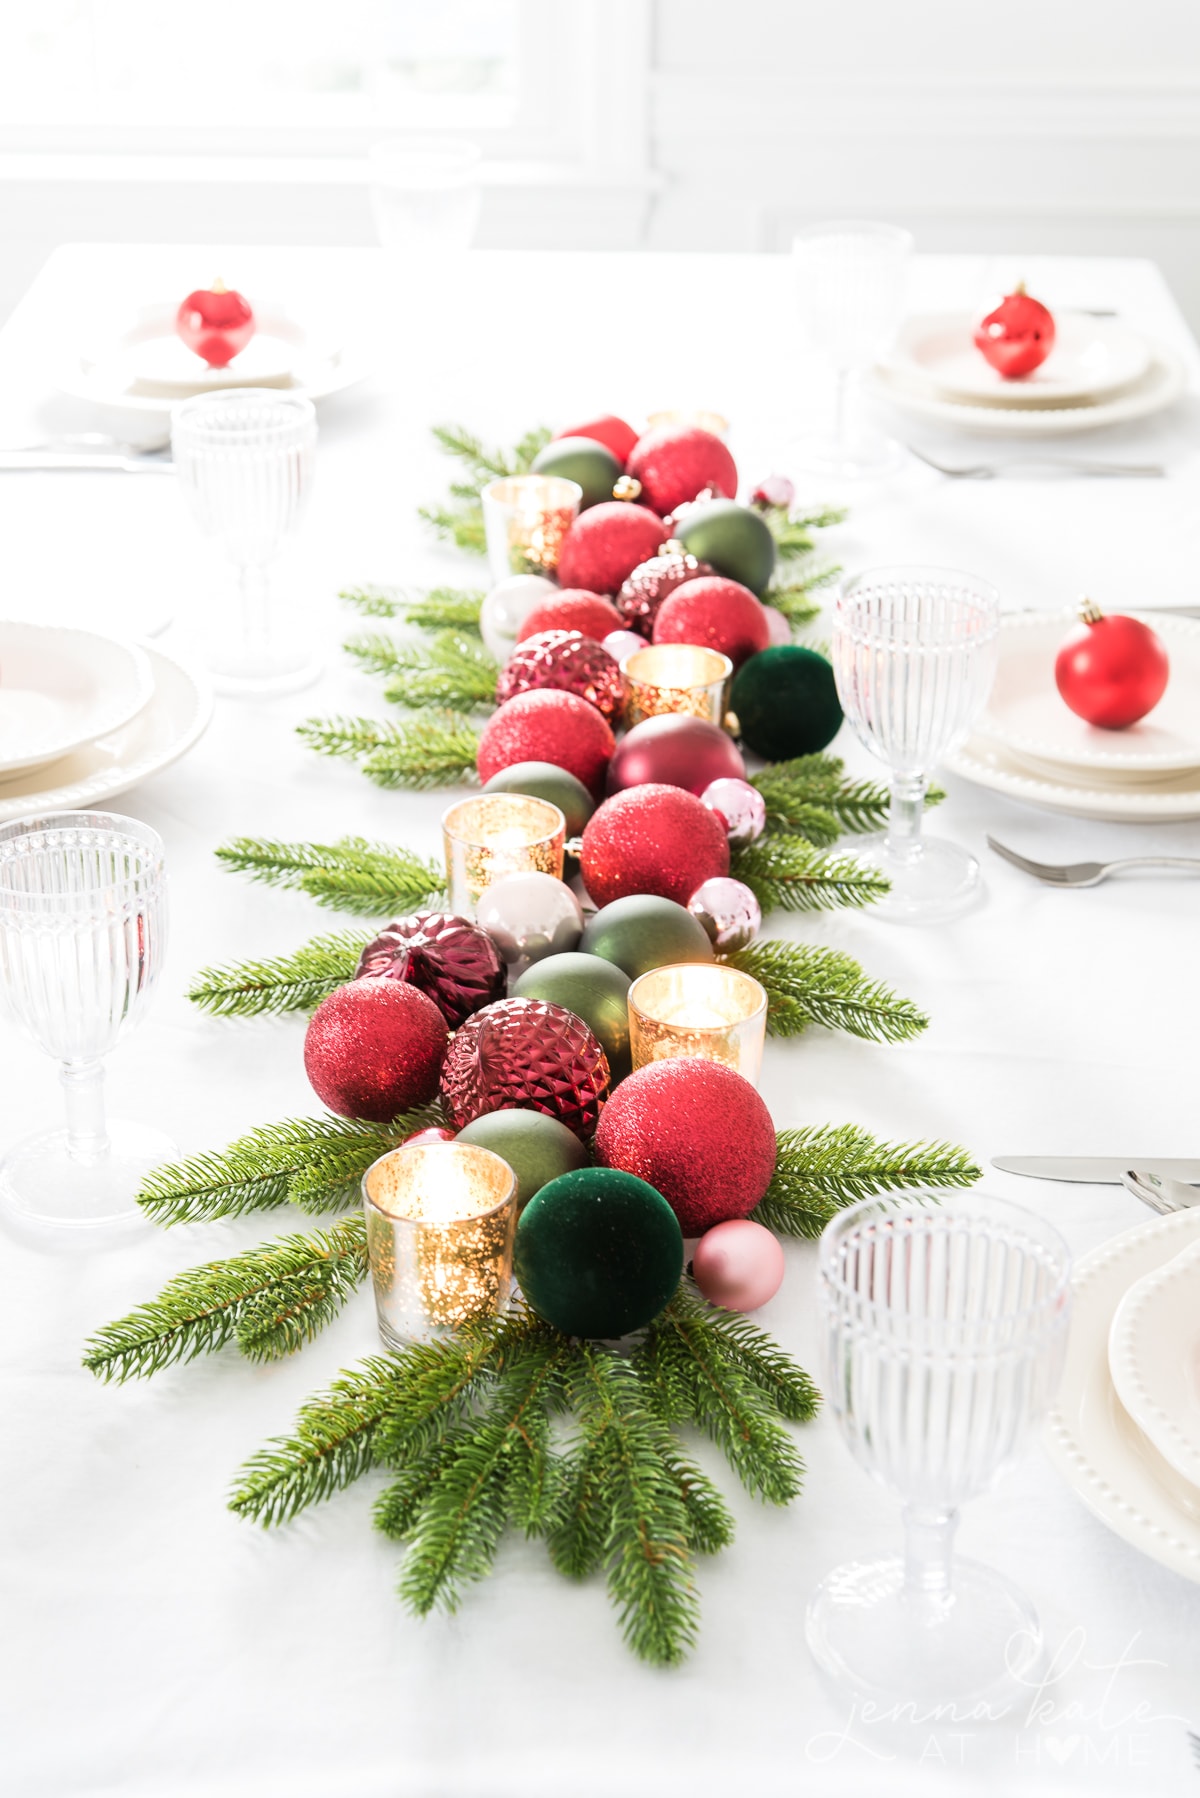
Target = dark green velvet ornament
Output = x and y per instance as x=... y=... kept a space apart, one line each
x=595 y=990
x=584 y=460
x=537 y=1148
x=733 y=539
x=786 y=702
x=642 y=932
x=598 y=1253
x=542 y=780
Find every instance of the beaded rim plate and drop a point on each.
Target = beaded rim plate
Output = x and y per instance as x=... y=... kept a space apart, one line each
x=1092 y=358
x=1175 y=798
x=1154 y=1359
x=62 y=687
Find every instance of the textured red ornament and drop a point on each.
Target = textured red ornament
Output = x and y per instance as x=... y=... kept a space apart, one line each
x=1111 y=670
x=651 y=582
x=567 y=662
x=695 y=1130
x=548 y=727
x=605 y=545
x=652 y=839
x=448 y=958
x=677 y=752
x=675 y=462
x=216 y=323
x=574 y=609
x=609 y=430
x=717 y=613
x=526 y=1054
x=375 y=1048
x=1017 y=336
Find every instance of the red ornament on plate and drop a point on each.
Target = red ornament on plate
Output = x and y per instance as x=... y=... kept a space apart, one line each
x=676 y=462
x=1017 y=335
x=652 y=839
x=717 y=614
x=548 y=727
x=526 y=1055
x=611 y=431
x=375 y=1048
x=605 y=545
x=574 y=609
x=697 y=1132
x=651 y=582
x=567 y=662
x=676 y=751
x=216 y=323
x=450 y=959
x=1111 y=670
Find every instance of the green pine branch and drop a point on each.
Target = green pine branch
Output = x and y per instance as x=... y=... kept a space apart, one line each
x=352 y=875
x=438 y=608
x=822 y=1168
x=430 y=749
x=787 y=873
x=483 y=463
x=807 y=984
x=792 y=788
x=793 y=535
x=452 y=671
x=794 y=599
x=295 y=982
x=460 y=524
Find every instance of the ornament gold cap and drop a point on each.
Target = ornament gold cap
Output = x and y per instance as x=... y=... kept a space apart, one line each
x=1089 y=611
x=733 y=724
x=218 y=286
x=627 y=487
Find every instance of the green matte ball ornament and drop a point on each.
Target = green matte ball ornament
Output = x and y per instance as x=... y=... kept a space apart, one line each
x=733 y=539
x=641 y=932
x=595 y=990
x=598 y=1253
x=537 y=1148
x=584 y=460
x=786 y=702
x=542 y=780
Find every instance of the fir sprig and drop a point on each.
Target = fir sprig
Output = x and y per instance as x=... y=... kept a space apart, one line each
x=438 y=608
x=793 y=534
x=351 y=875
x=461 y=521
x=295 y=982
x=822 y=1168
x=452 y=671
x=808 y=984
x=794 y=599
x=791 y=789
x=791 y=874
x=430 y=749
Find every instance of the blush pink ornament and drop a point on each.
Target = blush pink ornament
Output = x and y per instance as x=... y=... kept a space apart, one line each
x=738 y=1265
x=740 y=807
x=729 y=912
x=778 y=626
x=620 y=644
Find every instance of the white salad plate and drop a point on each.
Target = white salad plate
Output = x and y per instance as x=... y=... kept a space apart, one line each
x=1154 y=1359
x=1092 y=359
x=60 y=688
x=1173 y=799
x=1092 y=1440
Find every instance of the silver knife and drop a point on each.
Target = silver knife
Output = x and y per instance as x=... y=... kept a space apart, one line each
x=19 y=459
x=1096 y=1170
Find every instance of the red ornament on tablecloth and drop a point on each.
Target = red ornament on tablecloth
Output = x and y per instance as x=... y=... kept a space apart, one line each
x=605 y=545
x=652 y=839
x=675 y=462
x=1111 y=670
x=216 y=323
x=526 y=1055
x=609 y=430
x=696 y=1131
x=1017 y=335
x=573 y=609
x=738 y=1264
x=676 y=751
x=716 y=613
x=424 y=1138
x=566 y=662
x=375 y=1048
x=450 y=959
x=652 y=581
x=548 y=727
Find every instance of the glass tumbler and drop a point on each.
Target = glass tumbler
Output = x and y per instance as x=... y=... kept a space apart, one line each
x=914 y=656
x=245 y=459
x=943 y=1330
x=83 y=926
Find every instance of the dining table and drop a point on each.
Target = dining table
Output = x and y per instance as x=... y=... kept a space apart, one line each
x=153 y=1644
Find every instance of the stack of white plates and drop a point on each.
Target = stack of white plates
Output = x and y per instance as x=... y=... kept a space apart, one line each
x=1029 y=745
x=1100 y=372
x=84 y=716
x=1125 y=1432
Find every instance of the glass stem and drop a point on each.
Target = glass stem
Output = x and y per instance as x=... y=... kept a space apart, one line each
x=83 y=1084
x=254 y=607
x=928 y=1560
x=904 y=816
x=841 y=411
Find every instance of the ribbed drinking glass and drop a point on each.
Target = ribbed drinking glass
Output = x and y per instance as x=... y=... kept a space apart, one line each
x=914 y=656
x=943 y=1329
x=245 y=459
x=83 y=925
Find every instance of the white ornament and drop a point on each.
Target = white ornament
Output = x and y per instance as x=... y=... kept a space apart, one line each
x=529 y=916
x=507 y=607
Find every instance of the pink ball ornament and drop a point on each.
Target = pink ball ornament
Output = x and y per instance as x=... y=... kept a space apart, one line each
x=777 y=625
x=776 y=490
x=740 y=807
x=431 y=1134
x=738 y=1265
x=674 y=751
x=620 y=644
x=729 y=912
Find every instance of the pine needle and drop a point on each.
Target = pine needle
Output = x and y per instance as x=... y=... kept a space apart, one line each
x=483 y=463
x=453 y=671
x=351 y=875
x=795 y=603
x=460 y=524
x=793 y=535
x=296 y=982
x=806 y=985
x=430 y=749
x=788 y=873
x=822 y=1168
x=791 y=788
x=439 y=608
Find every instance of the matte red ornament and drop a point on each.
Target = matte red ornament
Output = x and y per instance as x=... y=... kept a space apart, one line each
x=375 y=1048
x=677 y=752
x=652 y=839
x=605 y=545
x=526 y=1055
x=696 y=1131
x=717 y=613
x=1111 y=670
x=609 y=430
x=574 y=609
x=216 y=323
x=567 y=662
x=1017 y=335
x=548 y=727
x=738 y=1264
x=676 y=462
x=650 y=583
x=450 y=959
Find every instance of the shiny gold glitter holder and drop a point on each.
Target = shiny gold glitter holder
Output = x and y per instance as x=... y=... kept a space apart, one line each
x=497 y=834
x=682 y=678
x=525 y=518
x=701 y=1012
x=440 y=1225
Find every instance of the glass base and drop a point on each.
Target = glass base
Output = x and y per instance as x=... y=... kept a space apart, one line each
x=44 y=1187
x=259 y=677
x=865 y=458
x=935 y=879
x=983 y=1648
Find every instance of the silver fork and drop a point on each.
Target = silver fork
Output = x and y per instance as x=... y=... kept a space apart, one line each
x=1090 y=874
x=988 y=471
x=1163 y=1196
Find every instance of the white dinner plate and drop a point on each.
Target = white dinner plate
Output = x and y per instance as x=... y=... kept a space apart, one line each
x=1154 y=1359
x=177 y=715
x=1091 y=1438
x=1172 y=798
x=1092 y=359
x=60 y=688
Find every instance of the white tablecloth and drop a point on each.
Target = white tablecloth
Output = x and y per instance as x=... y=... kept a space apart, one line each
x=156 y=1647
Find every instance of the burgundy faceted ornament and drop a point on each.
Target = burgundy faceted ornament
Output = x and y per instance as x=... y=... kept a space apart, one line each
x=526 y=1055
x=448 y=958
x=651 y=582
x=569 y=662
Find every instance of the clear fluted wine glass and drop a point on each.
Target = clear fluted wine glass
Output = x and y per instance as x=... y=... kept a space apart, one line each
x=943 y=1330
x=245 y=459
x=914 y=657
x=83 y=926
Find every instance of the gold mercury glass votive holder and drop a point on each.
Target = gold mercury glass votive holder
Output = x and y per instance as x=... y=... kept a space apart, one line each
x=676 y=677
x=497 y=834
x=440 y=1224
x=700 y=1011
x=525 y=518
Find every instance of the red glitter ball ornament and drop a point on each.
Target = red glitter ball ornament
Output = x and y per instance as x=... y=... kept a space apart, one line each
x=608 y=429
x=548 y=726
x=651 y=582
x=675 y=751
x=695 y=1130
x=567 y=662
x=605 y=545
x=450 y=959
x=375 y=1048
x=652 y=839
x=676 y=462
x=526 y=1055
x=574 y=609
x=717 y=614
